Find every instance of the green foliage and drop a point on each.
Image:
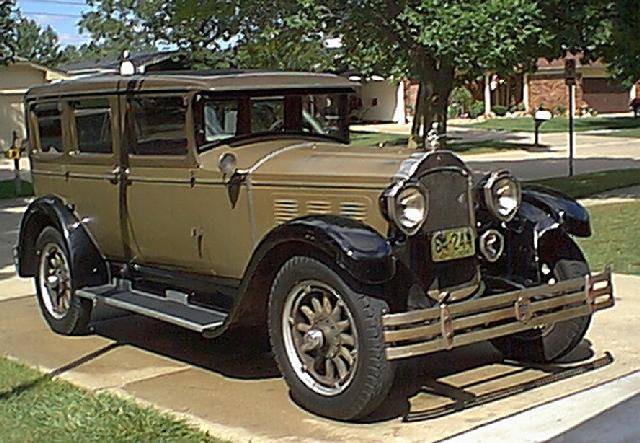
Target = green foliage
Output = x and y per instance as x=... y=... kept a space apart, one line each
x=463 y=97
x=36 y=44
x=476 y=109
x=500 y=111
x=7 y=30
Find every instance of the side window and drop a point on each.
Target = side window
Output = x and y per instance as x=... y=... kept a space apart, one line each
x=93 y=125
x=49 y=127
x=267 y=115
x=157 y=125
x=220 y=120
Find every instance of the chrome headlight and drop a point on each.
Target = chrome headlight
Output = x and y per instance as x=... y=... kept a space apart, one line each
x=408 y=208
x=502 y=195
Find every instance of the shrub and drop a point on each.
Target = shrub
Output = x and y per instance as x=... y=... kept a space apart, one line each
x=462 y=97
x=500 y=111
x=560 y=110
x=454 y=110
x=476 y=109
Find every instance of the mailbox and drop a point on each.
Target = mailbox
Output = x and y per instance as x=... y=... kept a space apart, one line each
x=541 y=116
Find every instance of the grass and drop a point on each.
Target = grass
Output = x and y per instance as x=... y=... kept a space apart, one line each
x=36 y=408
x=8 y=189
x=585 y=185
x=615 y=238
x=623 y=126
x=392 y=140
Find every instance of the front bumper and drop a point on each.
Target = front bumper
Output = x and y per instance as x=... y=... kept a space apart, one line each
x=413 y=333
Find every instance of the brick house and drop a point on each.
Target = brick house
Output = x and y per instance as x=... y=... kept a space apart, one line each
x=595 y=89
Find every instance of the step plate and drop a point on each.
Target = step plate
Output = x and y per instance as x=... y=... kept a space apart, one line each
x=187 y=316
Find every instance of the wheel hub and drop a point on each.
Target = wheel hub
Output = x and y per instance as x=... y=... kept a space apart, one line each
x=55 y=278
x=320 y=337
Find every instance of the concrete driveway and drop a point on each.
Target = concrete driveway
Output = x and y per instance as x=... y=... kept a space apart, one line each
x=230 y=386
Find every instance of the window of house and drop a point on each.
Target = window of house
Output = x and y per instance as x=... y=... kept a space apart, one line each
x=157 y=125
x=49 y=127
x=220 y=120
x=93 y=126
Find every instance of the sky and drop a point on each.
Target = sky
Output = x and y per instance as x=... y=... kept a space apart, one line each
x=61 y=15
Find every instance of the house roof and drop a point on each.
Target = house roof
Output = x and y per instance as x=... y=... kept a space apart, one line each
x=37 y=66
x=213 y=81
x=140 y=59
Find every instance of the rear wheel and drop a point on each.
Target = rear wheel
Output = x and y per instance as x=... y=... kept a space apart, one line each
x=327 y=340
x=553 y=341
x=65 y=312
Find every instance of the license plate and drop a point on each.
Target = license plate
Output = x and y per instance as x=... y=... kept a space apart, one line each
x=451 y=244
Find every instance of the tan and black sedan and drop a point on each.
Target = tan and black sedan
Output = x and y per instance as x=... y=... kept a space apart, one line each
x=213 y=200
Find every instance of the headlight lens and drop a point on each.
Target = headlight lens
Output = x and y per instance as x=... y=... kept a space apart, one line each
x=503 y=195
x=410 y=209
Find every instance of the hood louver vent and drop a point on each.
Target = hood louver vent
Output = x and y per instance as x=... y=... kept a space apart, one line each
x=286 y=209
x=354 y=210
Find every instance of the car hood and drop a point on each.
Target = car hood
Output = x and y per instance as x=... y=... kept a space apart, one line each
x=310 y=163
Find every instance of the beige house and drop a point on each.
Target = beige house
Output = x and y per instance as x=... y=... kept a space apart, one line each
x=15 y=79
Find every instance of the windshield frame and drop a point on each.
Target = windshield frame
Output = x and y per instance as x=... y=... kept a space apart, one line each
x=244 y=134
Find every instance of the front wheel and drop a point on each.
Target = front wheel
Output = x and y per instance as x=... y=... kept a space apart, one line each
x=328 y=341
x=553 y=341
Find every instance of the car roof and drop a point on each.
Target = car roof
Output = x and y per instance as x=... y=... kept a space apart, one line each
x=214 y=81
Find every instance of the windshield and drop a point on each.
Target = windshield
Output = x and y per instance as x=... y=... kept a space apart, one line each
x=306 y=114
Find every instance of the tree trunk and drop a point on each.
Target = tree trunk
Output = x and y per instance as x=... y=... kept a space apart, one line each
x=432 y=101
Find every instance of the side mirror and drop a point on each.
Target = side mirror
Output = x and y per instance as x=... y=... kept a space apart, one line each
x=227 y=164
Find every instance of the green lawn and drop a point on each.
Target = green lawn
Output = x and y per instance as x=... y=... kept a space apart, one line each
x=585 y=185
x=8 y=190
x=36 y=408
x=615 y=237
x=623 y=126
x=375 y=138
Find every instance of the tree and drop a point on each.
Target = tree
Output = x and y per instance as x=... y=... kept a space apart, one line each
x=433 y=41
x=36 y=44
x=7 y=30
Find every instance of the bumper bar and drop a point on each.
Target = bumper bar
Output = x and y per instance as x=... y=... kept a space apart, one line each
x=424 y=331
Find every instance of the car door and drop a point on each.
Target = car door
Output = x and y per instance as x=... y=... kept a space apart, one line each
x=92 y=169
x=162 y=220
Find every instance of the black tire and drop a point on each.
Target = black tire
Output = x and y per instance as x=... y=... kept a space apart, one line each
x=372 y=374
x=76 y=318
x=542 y=346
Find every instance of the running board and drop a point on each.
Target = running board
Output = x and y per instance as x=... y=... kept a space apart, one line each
x=173 y=309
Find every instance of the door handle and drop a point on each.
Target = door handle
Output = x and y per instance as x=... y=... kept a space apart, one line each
x=116 y=175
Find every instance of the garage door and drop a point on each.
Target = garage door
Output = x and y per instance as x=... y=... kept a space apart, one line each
x=605 y=95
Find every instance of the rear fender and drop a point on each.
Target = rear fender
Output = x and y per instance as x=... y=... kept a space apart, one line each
x=88 y=266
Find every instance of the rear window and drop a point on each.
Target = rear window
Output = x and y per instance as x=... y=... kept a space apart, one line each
x=49 y=127
x=157 y=125
x=93 y=126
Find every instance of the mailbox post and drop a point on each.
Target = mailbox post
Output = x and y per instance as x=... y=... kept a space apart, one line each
x=541 y=116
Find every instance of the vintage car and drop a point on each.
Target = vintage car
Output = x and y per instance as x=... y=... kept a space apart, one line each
x=215 y=200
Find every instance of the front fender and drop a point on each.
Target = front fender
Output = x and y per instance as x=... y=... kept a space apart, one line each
x=88 y=267
x=550 y=209
x=356 y=248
